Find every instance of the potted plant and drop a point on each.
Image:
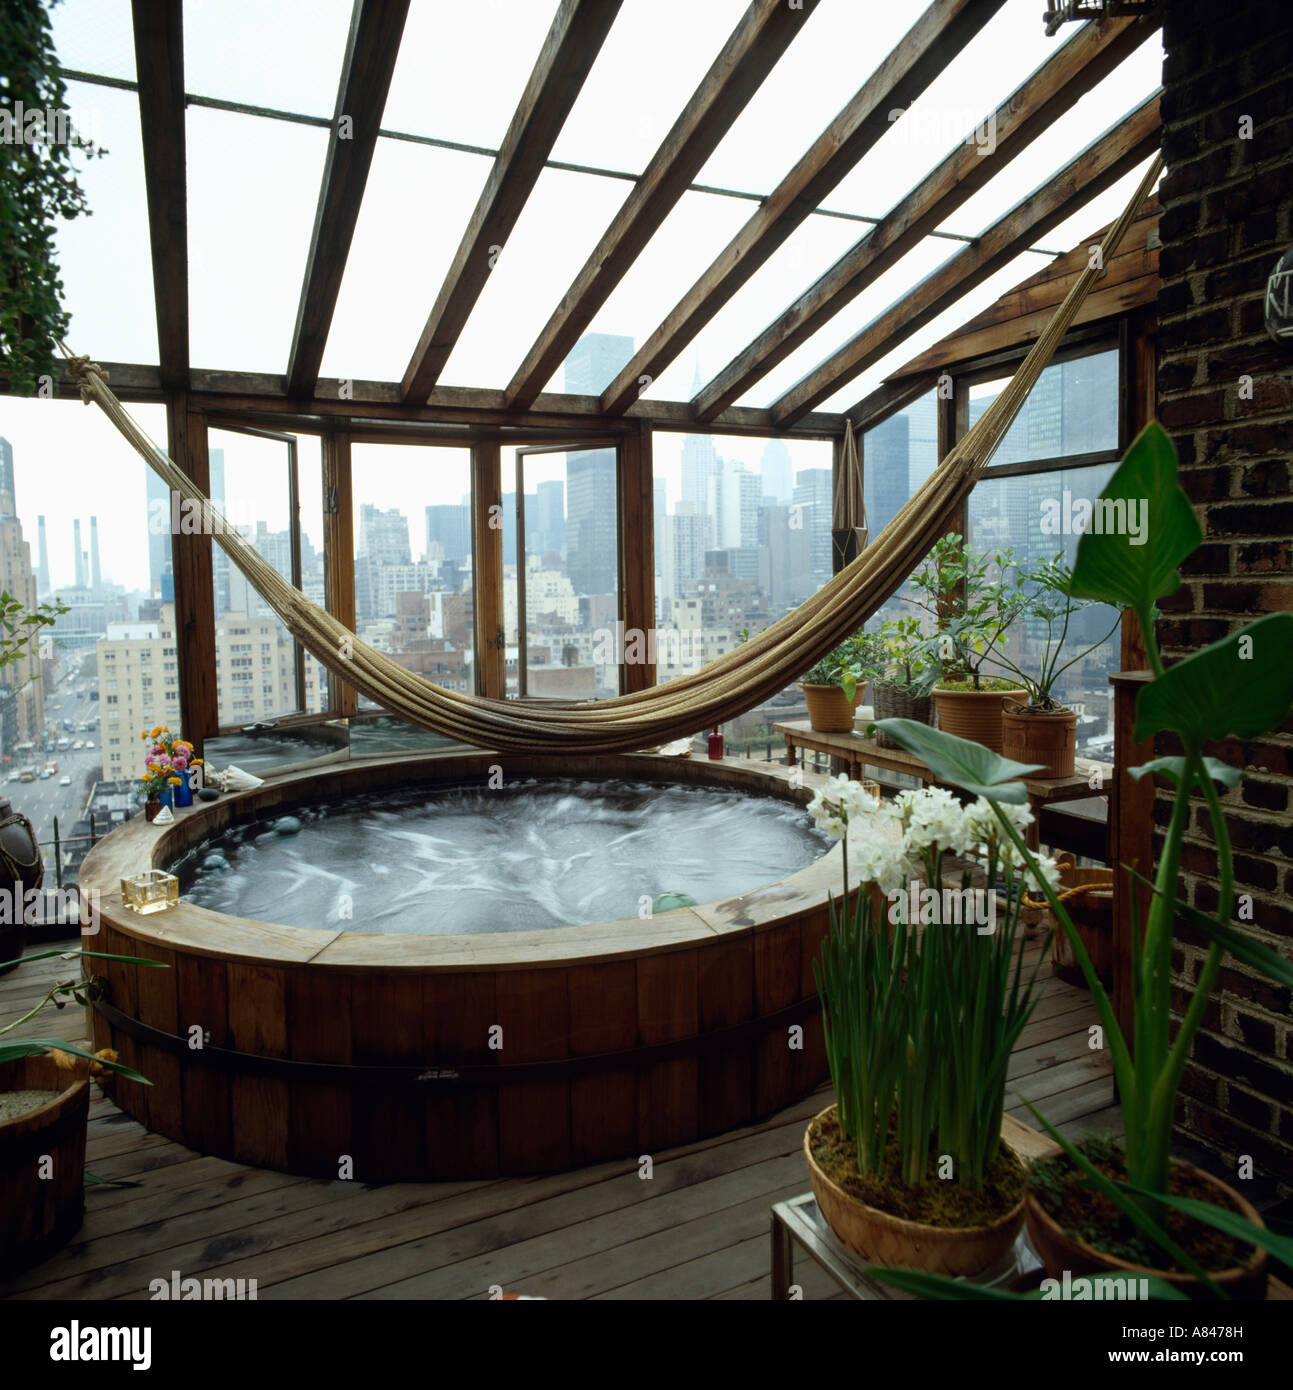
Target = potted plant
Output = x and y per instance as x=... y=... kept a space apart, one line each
x=922 y=1002
x=972 y=611
x=44 y=1103
x=908 y=673
x=833 y=687
x=1041 y=730
x=1132 y=1207
x=166 y=768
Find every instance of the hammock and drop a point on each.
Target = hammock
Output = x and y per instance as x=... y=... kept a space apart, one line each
x=721 y=690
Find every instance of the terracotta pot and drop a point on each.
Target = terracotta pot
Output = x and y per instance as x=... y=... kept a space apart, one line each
x=1047 y=738
x=21 y=864
x=1059 y=1251
x=829 y=710
x=890 y=1240
x=974 y=714
x=39 y=1213
x=152 y=808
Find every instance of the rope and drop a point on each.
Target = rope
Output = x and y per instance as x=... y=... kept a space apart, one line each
x=723 y=689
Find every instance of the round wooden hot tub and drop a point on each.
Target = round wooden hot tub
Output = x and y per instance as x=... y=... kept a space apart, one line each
x=343 y=1053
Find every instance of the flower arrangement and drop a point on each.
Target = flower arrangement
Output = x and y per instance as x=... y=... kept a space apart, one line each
x=166 y=762
x=922 y=1003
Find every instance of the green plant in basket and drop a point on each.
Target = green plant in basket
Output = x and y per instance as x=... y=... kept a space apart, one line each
x=1240 y=686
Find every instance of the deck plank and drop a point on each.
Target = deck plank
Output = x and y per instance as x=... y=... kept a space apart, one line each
x=697 y=1229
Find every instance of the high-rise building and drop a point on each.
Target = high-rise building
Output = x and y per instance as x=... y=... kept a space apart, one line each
x=548 y=523
x=448 y=534
x=42 y=557
x=886 y=458
x=687 y=534
x=592 y=559
x=594 y=362
x=8 y=492
x=384 y=535
x=700 y=467
x=777 y=471
x=813 y=512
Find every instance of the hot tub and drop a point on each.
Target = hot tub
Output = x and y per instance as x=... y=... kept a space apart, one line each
x=391 y=1046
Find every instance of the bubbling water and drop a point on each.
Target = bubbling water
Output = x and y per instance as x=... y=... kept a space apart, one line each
x=527 y=856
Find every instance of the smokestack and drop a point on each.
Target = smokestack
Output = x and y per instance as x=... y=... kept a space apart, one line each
x=94 y=554
x=79 y=553
x=42 y=557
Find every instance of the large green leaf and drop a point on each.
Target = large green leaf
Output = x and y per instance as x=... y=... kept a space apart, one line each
x=1174 y=770
x=956 y=760
x=1242 y=685
x=1142 y=502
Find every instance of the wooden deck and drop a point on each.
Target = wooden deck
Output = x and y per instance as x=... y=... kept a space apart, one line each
x=697 y=1228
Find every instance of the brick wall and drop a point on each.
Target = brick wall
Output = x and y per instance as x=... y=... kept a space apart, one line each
x=1226 y=396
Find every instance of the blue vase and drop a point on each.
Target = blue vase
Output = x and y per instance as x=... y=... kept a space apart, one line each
x=183 y=793
x=164 y=796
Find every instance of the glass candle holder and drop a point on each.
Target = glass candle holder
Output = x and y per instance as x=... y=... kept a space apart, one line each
x=152 y=891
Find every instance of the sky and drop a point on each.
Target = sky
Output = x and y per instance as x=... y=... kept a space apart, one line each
x=253 y=187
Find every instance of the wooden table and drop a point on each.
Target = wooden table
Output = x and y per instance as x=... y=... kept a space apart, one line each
x=857 y=751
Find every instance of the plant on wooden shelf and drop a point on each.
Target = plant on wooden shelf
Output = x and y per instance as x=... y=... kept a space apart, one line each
x=923 y=994
x=44 y=1104
x=834 y=685
x=972 y=606
x=908 y=672
x=1135 y=1208
x=1042 y=730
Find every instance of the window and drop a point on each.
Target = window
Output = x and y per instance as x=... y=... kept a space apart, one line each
x=1072 y=410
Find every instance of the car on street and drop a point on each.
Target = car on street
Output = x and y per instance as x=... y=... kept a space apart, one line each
x=65 y=780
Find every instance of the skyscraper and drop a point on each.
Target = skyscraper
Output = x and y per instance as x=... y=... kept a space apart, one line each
x=384 y=535
x=449 y=528
x=22 y=694
x=777 y=471
x=42 y=551
x=813 y=512
x=886 y=471
x=8 y=492
x=594 y=361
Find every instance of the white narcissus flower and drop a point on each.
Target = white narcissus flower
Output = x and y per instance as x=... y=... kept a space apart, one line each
x=1050 y=871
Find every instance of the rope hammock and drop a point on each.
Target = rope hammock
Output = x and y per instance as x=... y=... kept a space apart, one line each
x=721 y=690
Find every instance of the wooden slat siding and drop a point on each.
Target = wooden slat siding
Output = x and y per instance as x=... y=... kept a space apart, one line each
x=387 y=1026
x=603 y=1018
x=1098 y=167
x=123 y=994
x=578 y=30
x=259 y=1106
x=940 y=33
x=156 y=992
x=636 y=544
x=1009 y=320
x=159 y=62
x=668 y=998
x=750 y=53
x=777 y=976
x=534 y=1119
x=194 y=584
x=1131 y=820
x=239 y=395
x=339 y=552
x=202 y=985
x=490 y=658
x=725 y=979
x=372 y=46
x=808 y=1066
x=462 y=1128
x=1072 y=71
x=319 y=1030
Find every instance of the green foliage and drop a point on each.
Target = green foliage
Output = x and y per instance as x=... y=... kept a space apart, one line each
x=907 y=659
x=1240 y=685
x=38 y=188
x=857 y=659
x=19 y=627
x=968 y=765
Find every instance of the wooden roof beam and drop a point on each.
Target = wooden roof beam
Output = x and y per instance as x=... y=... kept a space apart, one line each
x=1115 y=153
x=755 y=45
x=1055 y=87
x=372 y=47
x=574 y=40
x=927 y=47
x=159 y=63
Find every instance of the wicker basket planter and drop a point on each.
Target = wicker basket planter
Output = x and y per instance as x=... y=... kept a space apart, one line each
x=1045 y=738
x=890 y=701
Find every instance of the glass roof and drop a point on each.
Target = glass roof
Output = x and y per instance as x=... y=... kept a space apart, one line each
x=286 y=56
x=419 y=197
x=94 y=36
x=642 y=79
x=462 y=68
x=253 y=186
x=105 y=258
